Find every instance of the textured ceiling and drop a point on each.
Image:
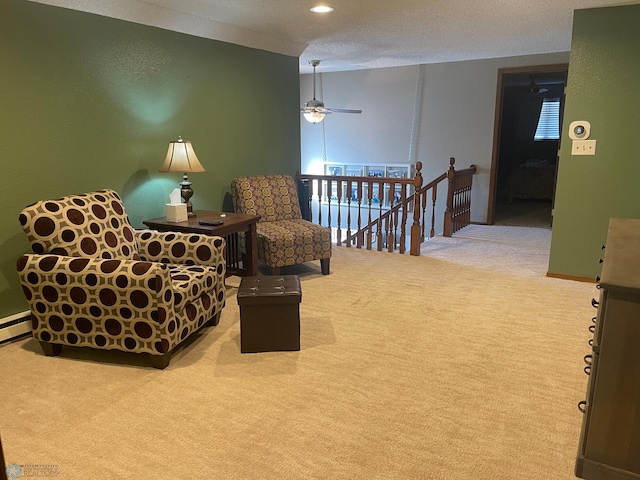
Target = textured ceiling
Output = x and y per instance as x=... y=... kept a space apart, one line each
x=363 y=33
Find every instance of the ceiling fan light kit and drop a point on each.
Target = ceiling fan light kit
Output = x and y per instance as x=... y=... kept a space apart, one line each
x=314 y=110
x=311 y=111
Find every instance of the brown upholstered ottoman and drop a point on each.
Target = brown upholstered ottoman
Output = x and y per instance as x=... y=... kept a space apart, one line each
x=269 y=313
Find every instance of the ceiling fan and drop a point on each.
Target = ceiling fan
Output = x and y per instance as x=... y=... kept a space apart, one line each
x=314 y=110
x=533 y=87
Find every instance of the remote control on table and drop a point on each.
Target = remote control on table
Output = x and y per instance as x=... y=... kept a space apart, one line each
x=211 y=222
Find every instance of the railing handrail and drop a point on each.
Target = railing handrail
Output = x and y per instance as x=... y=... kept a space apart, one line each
x=397 y=206
x=433 y=182
x=466 y=171
x=457 y=211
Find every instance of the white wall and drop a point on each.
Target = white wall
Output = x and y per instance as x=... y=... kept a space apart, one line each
x=455 y=118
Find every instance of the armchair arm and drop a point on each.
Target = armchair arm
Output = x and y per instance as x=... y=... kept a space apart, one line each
x=78 y=283
x=181 y=248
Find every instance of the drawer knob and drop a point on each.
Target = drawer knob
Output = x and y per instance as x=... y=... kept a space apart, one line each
x=595 y=303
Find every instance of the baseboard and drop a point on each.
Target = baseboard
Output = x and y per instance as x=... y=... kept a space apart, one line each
x=14 y=326
x=575 y=278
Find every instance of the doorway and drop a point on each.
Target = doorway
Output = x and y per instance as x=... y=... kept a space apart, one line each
x=525 y=157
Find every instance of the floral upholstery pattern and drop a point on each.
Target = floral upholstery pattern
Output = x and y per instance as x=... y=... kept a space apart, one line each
x=108 y=286
x=284 y=237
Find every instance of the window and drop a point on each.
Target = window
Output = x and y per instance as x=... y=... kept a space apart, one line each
x=549 y=121
x=384 y=197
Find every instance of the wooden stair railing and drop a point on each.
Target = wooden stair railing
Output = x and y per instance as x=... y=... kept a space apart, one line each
x=385 y=227
x=355 y=204
x=458 y=212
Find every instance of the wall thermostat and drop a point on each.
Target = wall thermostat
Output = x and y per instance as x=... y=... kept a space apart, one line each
x=579 y=130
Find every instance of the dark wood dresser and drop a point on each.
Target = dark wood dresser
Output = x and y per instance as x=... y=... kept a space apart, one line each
x=609 y=445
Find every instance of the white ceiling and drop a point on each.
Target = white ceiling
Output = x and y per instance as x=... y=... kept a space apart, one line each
x=363 y=33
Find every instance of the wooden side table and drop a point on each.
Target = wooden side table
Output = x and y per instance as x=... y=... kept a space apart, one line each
x=238 y=263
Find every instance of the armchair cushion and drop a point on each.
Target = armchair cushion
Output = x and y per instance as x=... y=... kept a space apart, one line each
x=288 y=242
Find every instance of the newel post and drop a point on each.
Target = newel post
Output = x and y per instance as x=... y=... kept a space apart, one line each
x=448 y=214
x=415 y=227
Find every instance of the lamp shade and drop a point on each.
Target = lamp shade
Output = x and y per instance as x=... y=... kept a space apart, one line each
x=181 y=158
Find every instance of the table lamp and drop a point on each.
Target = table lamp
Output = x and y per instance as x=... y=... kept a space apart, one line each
x=181 y=158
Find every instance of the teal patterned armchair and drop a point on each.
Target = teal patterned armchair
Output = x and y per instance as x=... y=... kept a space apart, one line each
x=94 y=281
x=284 y=237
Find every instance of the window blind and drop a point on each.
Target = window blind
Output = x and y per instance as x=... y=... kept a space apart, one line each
x=549 y=121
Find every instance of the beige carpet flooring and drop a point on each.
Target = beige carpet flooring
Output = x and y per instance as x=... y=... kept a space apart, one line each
x=463 y=363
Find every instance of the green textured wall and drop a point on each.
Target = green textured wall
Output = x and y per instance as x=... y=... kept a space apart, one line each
x=604 y=89
x=88 y=102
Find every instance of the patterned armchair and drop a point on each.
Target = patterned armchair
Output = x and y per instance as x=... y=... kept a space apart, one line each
x=284 y=237
x=94 y=281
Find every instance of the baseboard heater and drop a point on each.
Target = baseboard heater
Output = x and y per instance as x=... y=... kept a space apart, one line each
x=14 y=326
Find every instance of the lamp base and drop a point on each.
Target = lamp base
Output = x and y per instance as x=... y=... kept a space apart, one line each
x=186 y=192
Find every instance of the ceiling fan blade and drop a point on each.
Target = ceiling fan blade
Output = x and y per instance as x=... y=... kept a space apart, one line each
x=342 y=110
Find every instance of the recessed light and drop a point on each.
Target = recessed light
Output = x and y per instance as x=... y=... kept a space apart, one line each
x=322 y=9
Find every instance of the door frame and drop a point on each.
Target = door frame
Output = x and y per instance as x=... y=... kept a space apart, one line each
x=497 y=125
